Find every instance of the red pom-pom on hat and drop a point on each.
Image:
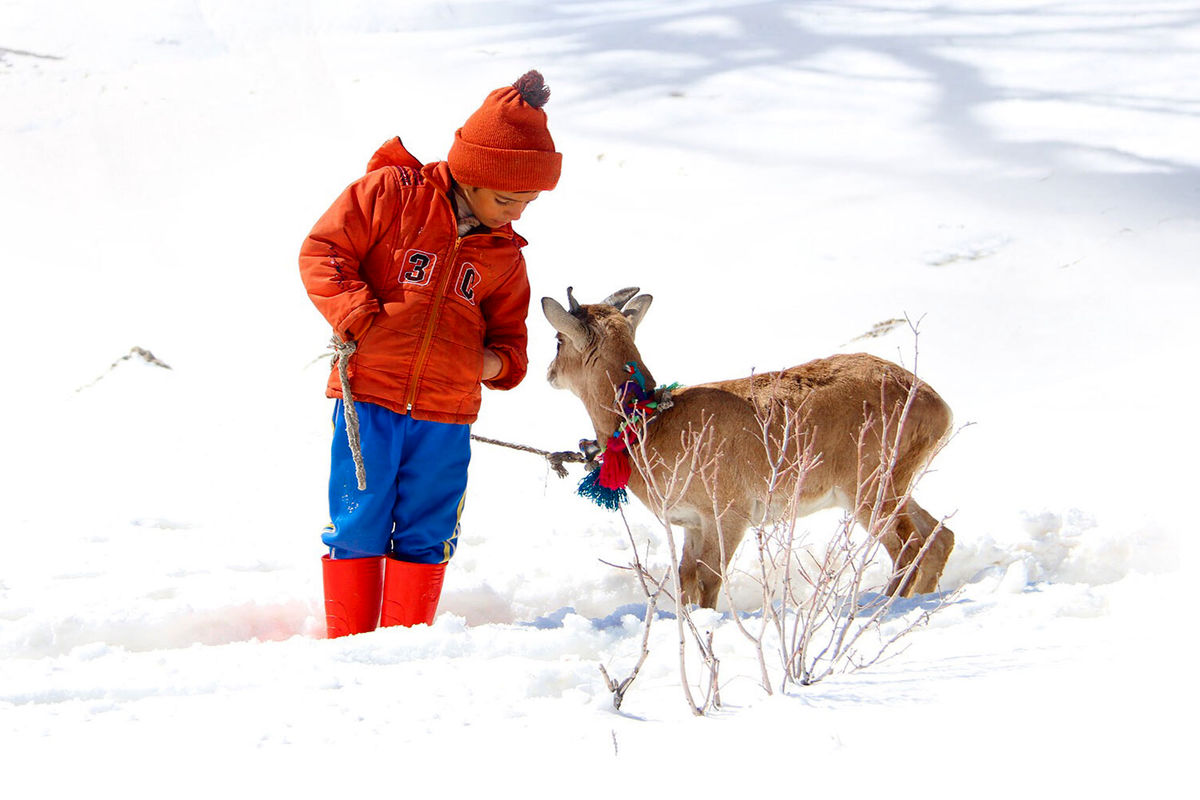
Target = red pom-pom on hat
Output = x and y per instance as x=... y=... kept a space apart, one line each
x=533 y=88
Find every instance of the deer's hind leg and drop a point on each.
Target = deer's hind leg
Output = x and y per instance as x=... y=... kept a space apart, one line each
x=937 y=540
x=918 y=546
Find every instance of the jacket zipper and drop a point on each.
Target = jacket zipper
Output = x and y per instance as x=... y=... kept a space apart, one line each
x=435 y=312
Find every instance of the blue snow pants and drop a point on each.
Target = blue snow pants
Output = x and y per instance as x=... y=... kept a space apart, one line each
x=416 y=485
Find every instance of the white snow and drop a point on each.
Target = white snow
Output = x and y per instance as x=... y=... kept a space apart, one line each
x=1022 y=178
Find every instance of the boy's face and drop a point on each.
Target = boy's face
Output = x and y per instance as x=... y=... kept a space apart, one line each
x=495 y=208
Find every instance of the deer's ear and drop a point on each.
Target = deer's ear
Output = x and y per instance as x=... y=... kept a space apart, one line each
x=636 y=308
x=564 y=322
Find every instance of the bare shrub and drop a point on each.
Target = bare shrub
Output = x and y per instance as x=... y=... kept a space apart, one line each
x=820 y=611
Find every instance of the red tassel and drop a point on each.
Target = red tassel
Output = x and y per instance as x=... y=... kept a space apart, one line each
x=615 y=469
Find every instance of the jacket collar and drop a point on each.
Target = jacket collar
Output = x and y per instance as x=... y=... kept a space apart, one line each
x=437 y=174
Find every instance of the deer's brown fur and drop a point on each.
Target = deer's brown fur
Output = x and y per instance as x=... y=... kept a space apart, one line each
x=834 y=421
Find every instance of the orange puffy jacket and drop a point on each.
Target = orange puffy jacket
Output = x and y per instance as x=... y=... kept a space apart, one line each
x=387 y=269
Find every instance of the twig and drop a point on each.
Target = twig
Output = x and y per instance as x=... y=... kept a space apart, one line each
x=618 y=689
x=139 y=352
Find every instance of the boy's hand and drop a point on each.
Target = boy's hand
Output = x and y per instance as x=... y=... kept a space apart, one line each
x=491 y=365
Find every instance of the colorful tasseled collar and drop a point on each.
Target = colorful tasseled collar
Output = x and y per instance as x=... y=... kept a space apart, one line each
x=639 y=406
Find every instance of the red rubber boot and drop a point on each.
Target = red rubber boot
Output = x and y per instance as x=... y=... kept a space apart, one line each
x=411 y=593
x=353 y=591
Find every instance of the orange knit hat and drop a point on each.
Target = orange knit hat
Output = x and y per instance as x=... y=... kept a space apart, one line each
x=505 y=145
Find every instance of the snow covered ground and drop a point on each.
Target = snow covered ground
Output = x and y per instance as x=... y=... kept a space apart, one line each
x=1022 y=177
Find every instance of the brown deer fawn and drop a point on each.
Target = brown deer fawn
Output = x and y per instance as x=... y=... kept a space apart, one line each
x=861 y=430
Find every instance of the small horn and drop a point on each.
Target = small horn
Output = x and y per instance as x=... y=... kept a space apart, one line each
x=573 y=303
x=622 y=296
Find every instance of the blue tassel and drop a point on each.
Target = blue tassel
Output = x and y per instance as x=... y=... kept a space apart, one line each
x=604 y=497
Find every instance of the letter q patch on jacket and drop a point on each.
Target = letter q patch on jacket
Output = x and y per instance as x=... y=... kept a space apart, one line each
x=417 y=267
x=468 y=279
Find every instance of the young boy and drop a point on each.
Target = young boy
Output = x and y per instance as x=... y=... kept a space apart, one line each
x=419 y=267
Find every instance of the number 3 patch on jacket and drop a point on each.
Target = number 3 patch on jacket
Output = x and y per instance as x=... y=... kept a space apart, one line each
x=417 y=267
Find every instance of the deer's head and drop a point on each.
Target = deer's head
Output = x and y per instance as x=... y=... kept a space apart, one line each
x=595 y=341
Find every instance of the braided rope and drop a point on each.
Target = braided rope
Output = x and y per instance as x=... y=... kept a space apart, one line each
x=341 y=355
x=556 y=459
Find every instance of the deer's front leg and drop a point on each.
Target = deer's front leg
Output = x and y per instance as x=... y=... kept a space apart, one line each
x=700 y=567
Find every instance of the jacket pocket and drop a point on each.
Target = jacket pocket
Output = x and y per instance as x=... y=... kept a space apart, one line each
x=388 y=345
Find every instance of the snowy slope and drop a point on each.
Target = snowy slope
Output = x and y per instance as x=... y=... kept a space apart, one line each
x=1022 y=178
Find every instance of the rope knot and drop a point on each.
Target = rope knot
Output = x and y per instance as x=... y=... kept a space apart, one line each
x=342 y=350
